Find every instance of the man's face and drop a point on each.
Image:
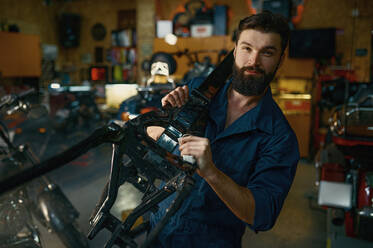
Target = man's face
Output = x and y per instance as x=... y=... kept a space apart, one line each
x=257 y=56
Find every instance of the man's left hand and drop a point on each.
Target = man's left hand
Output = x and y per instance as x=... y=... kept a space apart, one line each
x=199 y=148
x=237 y=198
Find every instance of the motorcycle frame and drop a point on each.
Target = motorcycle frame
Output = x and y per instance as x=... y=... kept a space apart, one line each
x=149 y=160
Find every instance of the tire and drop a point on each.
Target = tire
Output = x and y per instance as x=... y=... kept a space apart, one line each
x=72 y=237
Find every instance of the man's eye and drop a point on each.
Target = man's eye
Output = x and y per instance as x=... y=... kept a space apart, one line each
x=268 y=53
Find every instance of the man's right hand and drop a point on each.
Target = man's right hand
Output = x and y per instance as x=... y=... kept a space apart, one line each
x=177 y=97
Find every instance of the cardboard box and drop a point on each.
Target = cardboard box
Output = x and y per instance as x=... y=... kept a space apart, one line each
x=202 y=30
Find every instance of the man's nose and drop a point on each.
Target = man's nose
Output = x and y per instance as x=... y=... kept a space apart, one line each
x=254 y=59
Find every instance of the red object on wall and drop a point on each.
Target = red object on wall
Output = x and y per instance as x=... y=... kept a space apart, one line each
x=252 y=10
x=98 y=73
x=298 y=17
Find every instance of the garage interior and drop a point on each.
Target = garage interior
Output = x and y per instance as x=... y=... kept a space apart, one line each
x=69 y=67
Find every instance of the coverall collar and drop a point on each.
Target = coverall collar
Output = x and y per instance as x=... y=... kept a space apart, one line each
x=260 y=117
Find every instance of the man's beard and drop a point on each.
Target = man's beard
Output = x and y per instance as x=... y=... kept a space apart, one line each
x=250 y=85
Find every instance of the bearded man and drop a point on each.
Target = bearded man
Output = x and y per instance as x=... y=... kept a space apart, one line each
x=248 y=156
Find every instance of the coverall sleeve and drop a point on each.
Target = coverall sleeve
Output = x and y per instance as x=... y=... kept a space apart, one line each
x=272 y=177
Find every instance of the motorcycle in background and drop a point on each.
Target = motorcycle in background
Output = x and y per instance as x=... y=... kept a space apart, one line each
x=197 y=68
x=345 y=166
x=200 y=68
x=41 y=198
x=148 y=98
x=161 y=66
x=72 y=106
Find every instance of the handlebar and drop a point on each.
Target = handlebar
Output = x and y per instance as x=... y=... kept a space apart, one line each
x=109 y=133
x=26 y=93
x=15 y=101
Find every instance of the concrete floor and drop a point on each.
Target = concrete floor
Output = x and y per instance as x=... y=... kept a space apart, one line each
x=83 y=180
x=297 y=225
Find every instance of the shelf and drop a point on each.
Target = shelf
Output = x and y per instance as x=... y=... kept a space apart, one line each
x=123 y=47
x=193 y=44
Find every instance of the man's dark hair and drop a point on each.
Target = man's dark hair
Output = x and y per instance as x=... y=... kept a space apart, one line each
x=266 y=22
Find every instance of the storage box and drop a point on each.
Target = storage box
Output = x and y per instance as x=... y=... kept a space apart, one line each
x=202 y=30
x=334 y=194
x=164 y=27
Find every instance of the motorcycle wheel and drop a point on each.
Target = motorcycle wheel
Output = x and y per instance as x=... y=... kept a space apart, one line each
x=72 y=237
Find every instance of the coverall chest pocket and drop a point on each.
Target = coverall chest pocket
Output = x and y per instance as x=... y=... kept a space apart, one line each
x=235 y=160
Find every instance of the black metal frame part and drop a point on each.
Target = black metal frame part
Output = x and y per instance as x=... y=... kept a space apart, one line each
x=140 y=160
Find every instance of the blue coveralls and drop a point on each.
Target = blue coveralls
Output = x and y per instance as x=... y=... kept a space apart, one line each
x=259 y=151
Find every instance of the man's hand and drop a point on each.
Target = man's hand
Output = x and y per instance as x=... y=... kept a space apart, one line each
x=177 y=97
x=199 y=148
x=237 y=198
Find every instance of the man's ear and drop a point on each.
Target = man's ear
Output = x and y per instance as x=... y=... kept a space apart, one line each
x=234 y=52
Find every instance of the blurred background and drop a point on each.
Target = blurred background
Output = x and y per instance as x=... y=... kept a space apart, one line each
x=86 y=63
